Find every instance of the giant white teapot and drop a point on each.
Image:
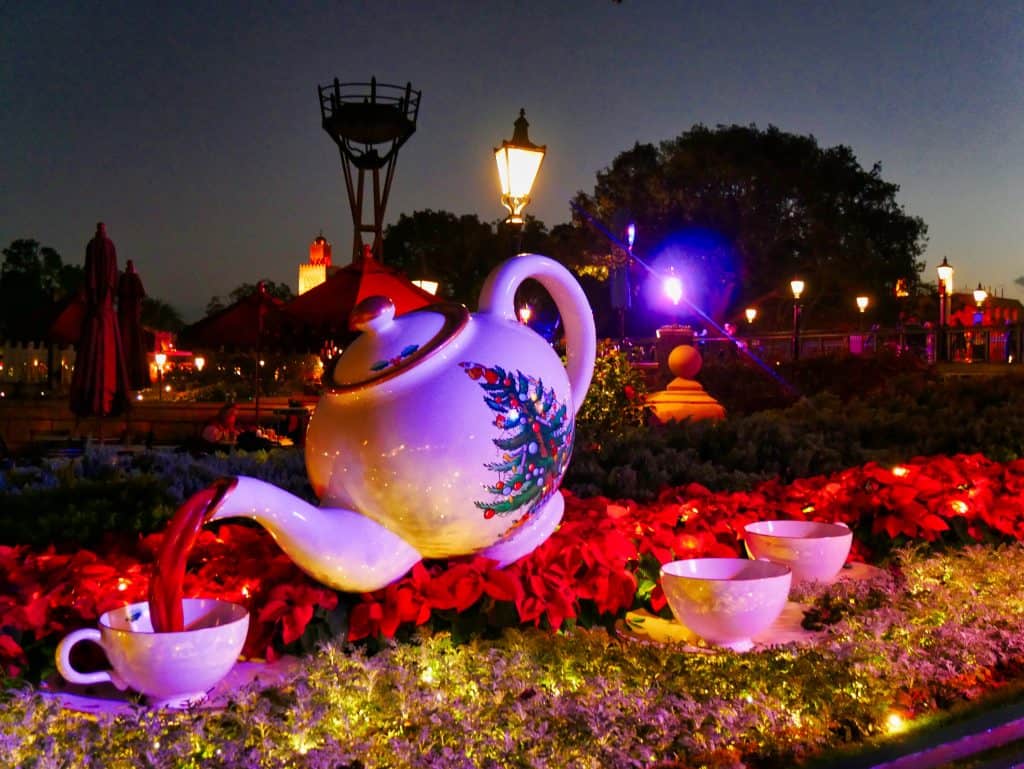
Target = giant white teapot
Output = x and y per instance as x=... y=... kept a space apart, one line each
x=440 y=433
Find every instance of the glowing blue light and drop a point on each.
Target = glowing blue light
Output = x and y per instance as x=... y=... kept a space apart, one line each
x=673 y=287
x=631 y=234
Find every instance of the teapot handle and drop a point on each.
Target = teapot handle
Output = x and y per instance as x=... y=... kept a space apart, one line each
x=498 y=297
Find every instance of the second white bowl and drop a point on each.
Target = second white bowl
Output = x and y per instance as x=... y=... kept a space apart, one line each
x=812 y=549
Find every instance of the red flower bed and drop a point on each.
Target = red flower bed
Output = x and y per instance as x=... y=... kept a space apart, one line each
x=601 y=561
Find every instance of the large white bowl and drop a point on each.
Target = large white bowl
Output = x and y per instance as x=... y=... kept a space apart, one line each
x=726 y=601
x=813 y=550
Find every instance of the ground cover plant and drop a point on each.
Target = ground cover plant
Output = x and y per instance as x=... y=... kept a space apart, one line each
x=938 y=628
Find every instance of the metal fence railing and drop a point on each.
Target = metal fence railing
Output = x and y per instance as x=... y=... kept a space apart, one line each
x=959 y=344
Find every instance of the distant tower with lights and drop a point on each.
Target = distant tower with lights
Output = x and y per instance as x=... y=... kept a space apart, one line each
x=313 y=273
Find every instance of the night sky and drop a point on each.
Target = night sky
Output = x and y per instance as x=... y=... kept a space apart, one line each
x=193 y=130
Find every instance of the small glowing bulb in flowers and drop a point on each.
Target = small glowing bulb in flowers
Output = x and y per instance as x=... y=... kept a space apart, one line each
x=895 y=723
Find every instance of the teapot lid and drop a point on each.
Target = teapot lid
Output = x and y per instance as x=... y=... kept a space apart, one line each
x=390 y=346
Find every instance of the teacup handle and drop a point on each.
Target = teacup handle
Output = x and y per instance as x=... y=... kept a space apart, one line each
x=498 y=297
x=64 y=658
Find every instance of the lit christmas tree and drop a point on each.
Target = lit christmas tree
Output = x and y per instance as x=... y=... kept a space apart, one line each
x=535 y=443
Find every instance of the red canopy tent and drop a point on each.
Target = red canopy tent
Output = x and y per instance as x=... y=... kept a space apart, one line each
x=67 y=316
x=248 y=324
x=251 y=323
x=322 y=313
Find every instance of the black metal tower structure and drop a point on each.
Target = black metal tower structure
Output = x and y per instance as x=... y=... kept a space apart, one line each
x=369 y=122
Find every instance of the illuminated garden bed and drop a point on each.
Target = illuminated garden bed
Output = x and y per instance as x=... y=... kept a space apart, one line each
x=479 y=677
x=938 y=630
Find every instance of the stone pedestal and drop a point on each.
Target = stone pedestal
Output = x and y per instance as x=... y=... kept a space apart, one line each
x=684 y=398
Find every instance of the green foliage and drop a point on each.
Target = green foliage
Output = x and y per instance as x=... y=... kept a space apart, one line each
x=457 y=251
x=81 y=512
x=614 y=403
x=160 y=315
x=783 y=205
x=31 y=280
x=82 y=501
x=281 y=291
x=903 y=417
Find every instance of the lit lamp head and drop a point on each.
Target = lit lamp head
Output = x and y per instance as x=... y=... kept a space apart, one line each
x=945 y=273
x=980 y=295
x=518 y=163
x=862 y=303
x=430 y=286
x=631 y=235
x=751 y=313
x=673 y=288
x=199 y=362
x=160 y=359
x=797 y=287
x=525 y=313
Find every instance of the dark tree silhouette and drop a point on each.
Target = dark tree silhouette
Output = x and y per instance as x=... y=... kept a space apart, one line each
x=760 y=207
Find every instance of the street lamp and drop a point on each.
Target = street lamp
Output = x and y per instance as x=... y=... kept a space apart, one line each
x=751 y=314
x=797 y=287
x=199 y=361
x=862 y=304
x=945 y=274
x=980 y=295
x=518 y=163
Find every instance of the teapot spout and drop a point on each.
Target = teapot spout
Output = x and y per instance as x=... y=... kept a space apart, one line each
x=339 y=548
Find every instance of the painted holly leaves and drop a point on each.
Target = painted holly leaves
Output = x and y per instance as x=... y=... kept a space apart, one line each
x=535 y=441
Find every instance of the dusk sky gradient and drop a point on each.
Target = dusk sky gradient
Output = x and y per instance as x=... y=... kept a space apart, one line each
x=193 y=129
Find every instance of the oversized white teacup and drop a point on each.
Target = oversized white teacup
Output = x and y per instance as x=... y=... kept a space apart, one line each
x=172 y=669
x=726 y=601
x=812 y=549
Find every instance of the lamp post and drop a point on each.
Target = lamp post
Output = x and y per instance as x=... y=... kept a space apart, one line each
x=618 y=283
x=797 y=287
x=160 y=358
x=980 y=295
x=518 y=162
x=945 y=275
x=862 y=304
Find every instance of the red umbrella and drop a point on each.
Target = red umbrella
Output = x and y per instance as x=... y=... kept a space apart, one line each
x=323 y=312
x=130 y=294
x=99 y=384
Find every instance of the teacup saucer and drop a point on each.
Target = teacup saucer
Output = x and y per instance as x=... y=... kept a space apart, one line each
x=641 y=625
x=106 y=699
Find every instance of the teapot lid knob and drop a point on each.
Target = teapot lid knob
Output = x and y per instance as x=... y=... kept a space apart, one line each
x=375 y=313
